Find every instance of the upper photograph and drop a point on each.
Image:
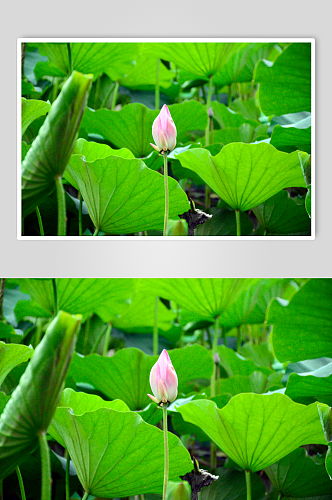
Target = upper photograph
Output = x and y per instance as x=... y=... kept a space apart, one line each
x=145 y=139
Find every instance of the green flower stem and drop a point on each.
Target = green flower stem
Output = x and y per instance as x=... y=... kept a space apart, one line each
x=213 y=456
x=155 y=329
x=157 y=91
x=166 y=193
x=207 y=142
x=67 y=477
x=115 y=95
x=207 y=199
x=280 y=496
x=107 y=339
x=61 y=206
x=20 y=480
x=96 y=232
x=214 y=378
x=85 y=496
x=248 y=483
x=40 y=222
x=165 y=450
x=80 y=232
x=208 y=105
x=214 y=350
x=46 y=467
x=238 y=222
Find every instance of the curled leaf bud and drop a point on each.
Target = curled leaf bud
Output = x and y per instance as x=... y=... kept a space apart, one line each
x=163 y=380
x=164 y=131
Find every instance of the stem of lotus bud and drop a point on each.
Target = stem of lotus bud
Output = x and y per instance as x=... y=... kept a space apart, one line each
x=166 y=193
x=166 y=459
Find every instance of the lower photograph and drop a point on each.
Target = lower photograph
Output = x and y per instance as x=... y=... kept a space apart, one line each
x=165 y=388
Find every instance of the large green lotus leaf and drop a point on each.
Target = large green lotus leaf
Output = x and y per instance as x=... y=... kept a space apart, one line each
x=50 y=152
x=126 y=374
x=312 y=386
x=81 y=403
x=12 y=355
x=182 y=428
x=256 y=430
x=251 y=306
x=139 y=317
x=117 y=454
x=76 y=295
x=31 y=110
x=144 y=73
x=226 y=117
x=289 y=138
x=223 y=223
x=231 y=485
x=124 y=196
x=240 y=66
x=234 y=364
x=280 y=215
x=286 y=86
x=257 y=382
x=303 y=329
x=131 y=127
x=114 y=59
x=298 y=476
x=93 y=150
x=245 y=175
x=245 y=133
x=205 y=297
x=199 y=60
x=33 y=403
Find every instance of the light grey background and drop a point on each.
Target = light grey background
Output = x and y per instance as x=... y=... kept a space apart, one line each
x=172 y=18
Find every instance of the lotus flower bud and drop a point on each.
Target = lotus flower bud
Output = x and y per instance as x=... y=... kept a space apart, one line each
x=163 y=380
x=164 y=131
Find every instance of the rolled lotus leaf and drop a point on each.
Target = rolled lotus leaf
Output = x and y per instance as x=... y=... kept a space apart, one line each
x=32 y=405
x=50 y=152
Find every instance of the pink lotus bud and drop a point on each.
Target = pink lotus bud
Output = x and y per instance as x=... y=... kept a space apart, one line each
x=164 y=131
x=163 y=380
